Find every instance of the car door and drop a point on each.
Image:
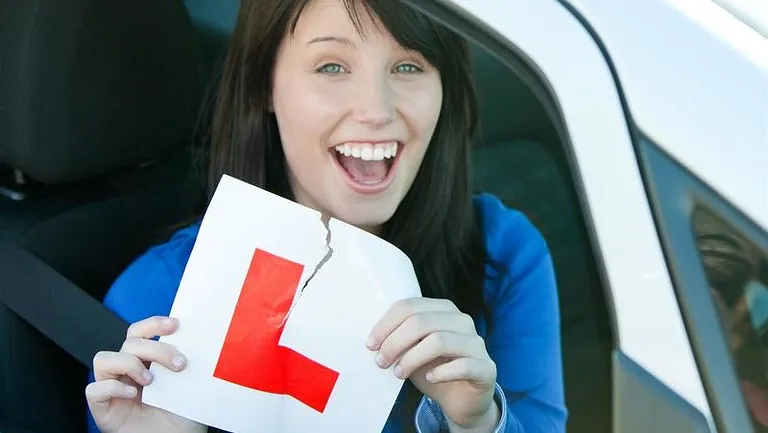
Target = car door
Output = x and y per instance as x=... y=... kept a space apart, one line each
x=695 y=79
x=663 y=376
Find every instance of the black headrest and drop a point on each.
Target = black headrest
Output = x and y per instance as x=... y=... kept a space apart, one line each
x=89 y=86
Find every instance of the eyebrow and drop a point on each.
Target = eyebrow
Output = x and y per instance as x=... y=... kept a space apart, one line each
x=337 y=39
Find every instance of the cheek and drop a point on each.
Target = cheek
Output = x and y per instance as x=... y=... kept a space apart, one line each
x=302 y=96
x=305 y=118
x=421 y=109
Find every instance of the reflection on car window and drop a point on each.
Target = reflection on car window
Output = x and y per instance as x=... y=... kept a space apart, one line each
x=736 y=271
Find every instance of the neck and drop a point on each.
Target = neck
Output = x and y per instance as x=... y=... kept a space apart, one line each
x=303 y=199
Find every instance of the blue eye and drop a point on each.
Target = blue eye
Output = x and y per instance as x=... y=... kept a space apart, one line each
x=407 y=68
x=331 y=69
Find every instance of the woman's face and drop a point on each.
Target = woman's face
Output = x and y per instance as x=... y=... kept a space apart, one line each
x=356 y=114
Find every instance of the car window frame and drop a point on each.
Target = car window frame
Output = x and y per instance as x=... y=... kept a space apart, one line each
x=658 y=345
x=675 y=194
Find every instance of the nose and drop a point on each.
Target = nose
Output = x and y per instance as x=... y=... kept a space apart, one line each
x=375 y=105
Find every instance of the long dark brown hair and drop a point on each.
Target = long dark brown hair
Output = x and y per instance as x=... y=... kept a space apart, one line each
x=436 y=224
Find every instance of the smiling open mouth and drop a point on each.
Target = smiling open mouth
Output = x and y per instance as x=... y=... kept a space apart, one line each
x=368 y=167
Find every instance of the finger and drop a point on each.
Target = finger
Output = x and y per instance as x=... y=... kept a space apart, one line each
x=103 y=391
x=153 y=327
x=480 y=371
x=439 y=345
x=155 y=351
x=114 y=365
x=400 y=311
x=418 y=326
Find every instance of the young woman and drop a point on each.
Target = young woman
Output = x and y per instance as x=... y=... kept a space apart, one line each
x=364 y=110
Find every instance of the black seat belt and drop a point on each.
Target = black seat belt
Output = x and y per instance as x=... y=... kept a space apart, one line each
x=56 y=307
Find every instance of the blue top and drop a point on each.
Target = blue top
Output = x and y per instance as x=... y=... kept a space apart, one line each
x=524 y=342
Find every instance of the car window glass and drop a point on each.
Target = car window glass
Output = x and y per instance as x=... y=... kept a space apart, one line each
x=736 y=272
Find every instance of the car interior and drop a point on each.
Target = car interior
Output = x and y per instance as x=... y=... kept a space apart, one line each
x=102 y=109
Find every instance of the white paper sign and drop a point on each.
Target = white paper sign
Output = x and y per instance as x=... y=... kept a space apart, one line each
x=251 y=369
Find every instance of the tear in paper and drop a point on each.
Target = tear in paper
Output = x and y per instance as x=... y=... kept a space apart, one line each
x=328 y=254
x=254 y=254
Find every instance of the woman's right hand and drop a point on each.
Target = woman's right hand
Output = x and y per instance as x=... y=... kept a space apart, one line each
x=114 y=398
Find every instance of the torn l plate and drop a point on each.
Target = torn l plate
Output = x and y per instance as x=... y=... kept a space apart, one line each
x=246 y=373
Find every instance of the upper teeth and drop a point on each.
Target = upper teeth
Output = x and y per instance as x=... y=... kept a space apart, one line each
x=367 y=151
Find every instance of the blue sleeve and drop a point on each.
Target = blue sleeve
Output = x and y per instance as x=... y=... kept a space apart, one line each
x=147 y=288
x=430 y=418
x=524 y=337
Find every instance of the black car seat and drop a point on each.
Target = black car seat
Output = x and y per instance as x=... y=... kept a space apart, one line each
x=520 y=158
x=98 y=106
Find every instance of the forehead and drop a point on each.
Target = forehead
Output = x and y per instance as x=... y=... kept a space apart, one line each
x=348 y=18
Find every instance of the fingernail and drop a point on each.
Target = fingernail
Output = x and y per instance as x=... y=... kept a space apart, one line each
x=380 y=361
x=147 y=376
x=429 y=376
x=371 y=342
x=169 y=321
x=399 y=371
x=177 y=361
x=129 y=391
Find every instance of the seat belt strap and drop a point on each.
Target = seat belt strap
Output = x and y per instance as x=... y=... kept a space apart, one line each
x=56 y=307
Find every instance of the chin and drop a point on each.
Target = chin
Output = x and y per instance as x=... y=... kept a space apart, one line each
x=368 y=216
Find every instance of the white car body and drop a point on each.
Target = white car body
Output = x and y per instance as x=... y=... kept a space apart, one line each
x=695 y=79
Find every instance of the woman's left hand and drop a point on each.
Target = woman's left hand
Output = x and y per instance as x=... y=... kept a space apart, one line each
x=436 y=346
